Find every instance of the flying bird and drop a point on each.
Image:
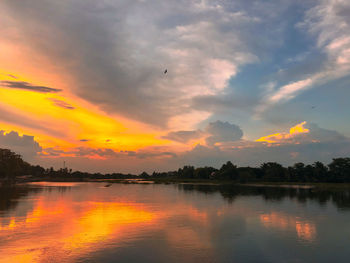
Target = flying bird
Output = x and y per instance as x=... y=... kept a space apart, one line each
x=165 y=71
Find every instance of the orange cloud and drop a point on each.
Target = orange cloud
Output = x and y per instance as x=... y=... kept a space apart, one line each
x=59 y=119
x=282 y=137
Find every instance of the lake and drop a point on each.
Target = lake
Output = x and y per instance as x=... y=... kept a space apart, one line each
x=89 y=222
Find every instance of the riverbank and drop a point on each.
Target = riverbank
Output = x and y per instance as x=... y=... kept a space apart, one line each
x=174 y=180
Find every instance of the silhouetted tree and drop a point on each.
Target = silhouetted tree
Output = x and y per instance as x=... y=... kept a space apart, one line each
x=144 y=175
x=227 y=171
x=11 y=164
x=203 y=173
x=186 y=172
x=339 y=170
x=320 y=172
x=273 y=172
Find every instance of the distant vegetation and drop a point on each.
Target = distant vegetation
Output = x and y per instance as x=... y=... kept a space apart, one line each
x=338 y=171
x=12 y=167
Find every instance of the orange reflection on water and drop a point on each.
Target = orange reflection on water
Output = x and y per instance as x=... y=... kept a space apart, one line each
x=44 y=210
x=275 y=220
x=195 y=214
x=304 y=230
x=62 y=229
x=104 y=220
x=65 y=226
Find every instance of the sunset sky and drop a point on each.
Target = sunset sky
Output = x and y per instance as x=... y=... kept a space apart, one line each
x=83 y=82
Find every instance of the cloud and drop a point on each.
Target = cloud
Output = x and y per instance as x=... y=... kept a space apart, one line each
x=80 y=152
x=224 y=102
x=123 y=72
x=304 y=133
x=24 y=145
x=183 y=136
x=150 y=155
x=295 y=131
x=27 y=86
x=223 y=132
x=214 y=132
x=319 y=21
x=303 y=143
x=22 y=120
x=105 y=153
x=318 y=134
x=62 y=104
x=289 y=91
x=12 y=76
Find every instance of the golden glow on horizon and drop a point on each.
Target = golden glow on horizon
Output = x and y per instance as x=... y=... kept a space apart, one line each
x=280 y=137
x=82 y=126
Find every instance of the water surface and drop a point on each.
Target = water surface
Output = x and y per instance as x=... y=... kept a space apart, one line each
x=88 y=222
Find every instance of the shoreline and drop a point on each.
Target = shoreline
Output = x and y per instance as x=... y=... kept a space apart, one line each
x=300 y=185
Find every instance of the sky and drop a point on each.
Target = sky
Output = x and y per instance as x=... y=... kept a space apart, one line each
x=83 y=82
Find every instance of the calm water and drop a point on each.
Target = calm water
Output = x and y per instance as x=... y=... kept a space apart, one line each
x=87 y=222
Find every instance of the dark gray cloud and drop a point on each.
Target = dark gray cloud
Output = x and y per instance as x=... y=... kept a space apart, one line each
x=183 y=136
x=323 y=135
x=146 y=155
x=62 y=104
x=214 y=132
x=342 y=9
x=224 y=102
x=81 y=152
x=223 y=132
x=27 y=86
x=24 y=145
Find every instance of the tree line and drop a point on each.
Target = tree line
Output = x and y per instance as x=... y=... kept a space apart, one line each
x=12 y=167
x=338 y=171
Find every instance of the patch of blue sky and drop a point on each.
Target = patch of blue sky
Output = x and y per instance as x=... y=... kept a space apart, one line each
x=327 y=105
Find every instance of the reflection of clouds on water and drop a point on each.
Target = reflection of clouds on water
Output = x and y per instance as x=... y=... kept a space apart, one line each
x=305 y=230
x=60 y=228
x=67 y=227
x=140 y=222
